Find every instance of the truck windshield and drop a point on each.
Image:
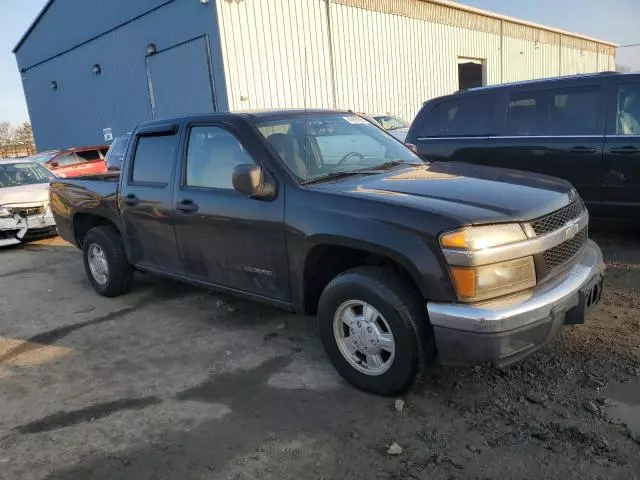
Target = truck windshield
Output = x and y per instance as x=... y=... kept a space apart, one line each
x=314 y=145
x=17 y=174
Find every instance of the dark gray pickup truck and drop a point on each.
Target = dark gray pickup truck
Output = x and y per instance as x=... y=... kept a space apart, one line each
x=322 y=212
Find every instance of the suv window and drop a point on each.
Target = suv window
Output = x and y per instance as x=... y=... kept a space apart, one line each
x=212 y=154
x=153 y=159
x=628 y=119
x=566 y=111
x=463 y=116
x=88 y=155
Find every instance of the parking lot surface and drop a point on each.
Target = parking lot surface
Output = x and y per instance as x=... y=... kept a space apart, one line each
x=175 y=382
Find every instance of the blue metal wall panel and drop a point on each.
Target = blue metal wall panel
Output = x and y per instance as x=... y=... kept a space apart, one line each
x=84 y=104
x=67 y=23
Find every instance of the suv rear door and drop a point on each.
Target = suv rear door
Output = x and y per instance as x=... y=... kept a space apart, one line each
x=621 y=169
x=558 y=131
x=456 y=128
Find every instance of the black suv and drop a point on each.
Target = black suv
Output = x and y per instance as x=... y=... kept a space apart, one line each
x=585 y=129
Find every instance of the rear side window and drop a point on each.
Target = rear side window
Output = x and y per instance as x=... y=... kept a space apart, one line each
x=567 y=111
x=628 y=112
x=153 y=159
x=460 y=117
x=88 y=155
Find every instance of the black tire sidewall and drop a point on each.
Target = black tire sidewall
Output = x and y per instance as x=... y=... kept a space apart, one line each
x=355 y=286
x=119 y=269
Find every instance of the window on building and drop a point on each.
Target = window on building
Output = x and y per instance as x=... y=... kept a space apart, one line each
x=153 y=159
x=628 y=118
x=88 y=155
x=463 y=116
x=212 y=154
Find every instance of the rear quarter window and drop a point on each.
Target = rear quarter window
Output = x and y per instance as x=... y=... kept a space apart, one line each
x=462 y=116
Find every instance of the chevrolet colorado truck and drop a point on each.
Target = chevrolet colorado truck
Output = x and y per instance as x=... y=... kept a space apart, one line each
x=315 y=211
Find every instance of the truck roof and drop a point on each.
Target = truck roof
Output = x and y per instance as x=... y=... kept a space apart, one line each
x=257 y=114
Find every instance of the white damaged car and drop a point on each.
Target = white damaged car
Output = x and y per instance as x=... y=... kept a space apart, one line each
x=24 y=202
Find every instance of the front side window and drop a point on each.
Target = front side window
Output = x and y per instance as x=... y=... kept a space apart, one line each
x=66 y=160
x=316 y=144
x=153 y=159
x=628 y=118
x=88 y=155
x=16 y=174
x=460 y=117
x=212 y=154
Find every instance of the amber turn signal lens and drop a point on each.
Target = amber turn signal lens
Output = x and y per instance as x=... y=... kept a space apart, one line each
x=465 y=281
x=455 y=240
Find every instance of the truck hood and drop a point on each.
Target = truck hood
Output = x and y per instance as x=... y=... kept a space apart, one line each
x=37 y=193
x=472 y=194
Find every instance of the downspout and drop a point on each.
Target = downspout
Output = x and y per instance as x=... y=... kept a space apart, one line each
x=332 y=67
x=501 y=51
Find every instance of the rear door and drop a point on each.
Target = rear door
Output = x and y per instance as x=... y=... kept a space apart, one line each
x=146 y=199
x=621 y=172
x=458 y=128
x=554 y=131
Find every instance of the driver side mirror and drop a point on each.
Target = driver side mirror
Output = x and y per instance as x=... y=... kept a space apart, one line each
x=249 y=179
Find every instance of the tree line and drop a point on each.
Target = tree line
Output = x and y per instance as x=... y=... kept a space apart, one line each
x=16 y=141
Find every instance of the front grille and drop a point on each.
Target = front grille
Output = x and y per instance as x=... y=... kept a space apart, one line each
x=557 y=219
x=561 y=254
x=28 y=211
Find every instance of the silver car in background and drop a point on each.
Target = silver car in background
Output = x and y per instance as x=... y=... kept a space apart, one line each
x=392 y=124
x=24 y=202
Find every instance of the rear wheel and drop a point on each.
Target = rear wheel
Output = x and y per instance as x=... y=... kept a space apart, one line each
x=374 y=329
x=106 y=263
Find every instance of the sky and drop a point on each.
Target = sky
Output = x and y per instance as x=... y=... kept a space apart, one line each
x=612 y=20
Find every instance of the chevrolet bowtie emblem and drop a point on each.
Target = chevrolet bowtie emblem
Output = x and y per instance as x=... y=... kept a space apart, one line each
x=571 y=231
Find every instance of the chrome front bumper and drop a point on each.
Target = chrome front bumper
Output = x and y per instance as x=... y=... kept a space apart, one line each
x=505 y=330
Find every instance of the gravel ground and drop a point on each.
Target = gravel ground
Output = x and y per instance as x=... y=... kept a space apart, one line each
x=173 y=382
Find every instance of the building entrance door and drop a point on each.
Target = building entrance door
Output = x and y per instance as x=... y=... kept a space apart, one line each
x=180 y=79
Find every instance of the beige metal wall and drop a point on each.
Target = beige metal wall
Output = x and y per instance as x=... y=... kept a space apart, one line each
x=380 y=56
x=275 y=53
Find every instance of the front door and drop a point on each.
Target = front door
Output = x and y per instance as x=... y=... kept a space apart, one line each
x=180 y=80
x=557 y=132
x=146 y=201
x=621 y=172
x=225 y=237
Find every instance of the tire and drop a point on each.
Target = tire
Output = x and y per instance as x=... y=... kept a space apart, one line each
x=119 y=273
x=403 y=312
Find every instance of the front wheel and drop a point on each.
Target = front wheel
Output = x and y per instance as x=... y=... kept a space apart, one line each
x=105 y=262
x=374 y=329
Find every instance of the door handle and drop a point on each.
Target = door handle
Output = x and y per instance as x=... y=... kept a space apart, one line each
x=187 y=206
x=583 y=150
x=625 y=150
x=131 y=199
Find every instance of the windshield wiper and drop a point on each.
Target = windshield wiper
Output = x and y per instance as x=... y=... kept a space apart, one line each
x=333 y=175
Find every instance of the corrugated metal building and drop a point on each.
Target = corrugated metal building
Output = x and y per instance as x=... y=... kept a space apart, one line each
x=92 y=68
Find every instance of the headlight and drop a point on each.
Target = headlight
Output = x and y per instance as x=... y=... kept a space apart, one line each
x=480 y=283
x=477 y=238
x=5 y=212
x=473 y=284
